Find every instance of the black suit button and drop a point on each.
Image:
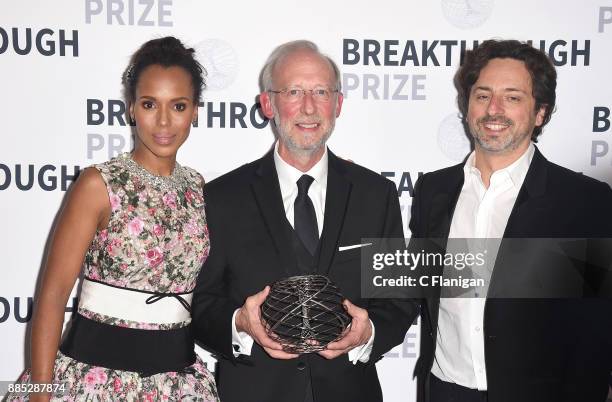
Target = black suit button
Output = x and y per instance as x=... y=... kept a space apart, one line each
x=301 y=366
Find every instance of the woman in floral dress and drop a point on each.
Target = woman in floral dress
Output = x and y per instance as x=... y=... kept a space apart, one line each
x=137 y=224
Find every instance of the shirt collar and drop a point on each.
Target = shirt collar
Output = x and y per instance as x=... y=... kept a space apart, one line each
x=289 y=175
x=516 y=171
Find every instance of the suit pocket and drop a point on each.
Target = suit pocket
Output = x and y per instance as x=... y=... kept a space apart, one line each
x=347 y=254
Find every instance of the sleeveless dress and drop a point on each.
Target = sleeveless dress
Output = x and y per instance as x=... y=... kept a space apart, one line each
x=156 y=241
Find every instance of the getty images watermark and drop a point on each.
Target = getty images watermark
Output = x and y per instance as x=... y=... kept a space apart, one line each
x=491 y=268
x=404 y=259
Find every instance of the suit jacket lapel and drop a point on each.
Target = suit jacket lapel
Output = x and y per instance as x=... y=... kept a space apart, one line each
x=266 y=189
x=336 y=203
x=443 y=206
x=534 y=186
x=440 y=217
x=441 y=212
x=522 y=214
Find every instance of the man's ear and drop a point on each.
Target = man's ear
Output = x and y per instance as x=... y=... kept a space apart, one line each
x=540 y=115
x=339 y=104
x=265 y=100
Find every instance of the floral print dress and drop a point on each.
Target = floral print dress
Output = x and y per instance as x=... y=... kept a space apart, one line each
x=156 y=241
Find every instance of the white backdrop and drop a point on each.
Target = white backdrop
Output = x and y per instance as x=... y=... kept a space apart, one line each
x=61 y=63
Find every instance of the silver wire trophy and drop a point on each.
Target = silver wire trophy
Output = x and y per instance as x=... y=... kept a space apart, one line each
x=304 y=313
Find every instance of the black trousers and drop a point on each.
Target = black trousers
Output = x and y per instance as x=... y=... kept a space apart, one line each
x=442 y=391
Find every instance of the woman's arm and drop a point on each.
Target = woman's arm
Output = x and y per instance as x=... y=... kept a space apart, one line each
x=86 y=209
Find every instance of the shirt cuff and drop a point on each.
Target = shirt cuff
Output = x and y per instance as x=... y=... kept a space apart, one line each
x=362 y=353
x=242 y=343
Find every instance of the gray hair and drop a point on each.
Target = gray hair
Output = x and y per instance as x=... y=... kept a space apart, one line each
x=290 y=47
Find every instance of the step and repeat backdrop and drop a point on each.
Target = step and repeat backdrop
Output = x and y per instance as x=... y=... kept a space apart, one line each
x=62 y=108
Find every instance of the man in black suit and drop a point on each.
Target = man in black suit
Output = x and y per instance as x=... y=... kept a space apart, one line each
x=510 y=348
x=298 y=210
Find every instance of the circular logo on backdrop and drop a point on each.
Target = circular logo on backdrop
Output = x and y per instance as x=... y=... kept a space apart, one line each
x=452 y=140
x=220 y=61
x=467 y=14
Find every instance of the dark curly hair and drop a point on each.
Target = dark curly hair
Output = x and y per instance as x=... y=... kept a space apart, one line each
x=166 y=52
x=539 y=66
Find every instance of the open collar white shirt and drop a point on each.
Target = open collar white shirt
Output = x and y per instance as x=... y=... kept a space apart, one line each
x=480 y=213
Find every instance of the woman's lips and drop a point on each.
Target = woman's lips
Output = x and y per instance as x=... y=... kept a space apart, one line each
x=163 y=139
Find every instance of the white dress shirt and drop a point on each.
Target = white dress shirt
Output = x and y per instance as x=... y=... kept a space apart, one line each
x=287 y=177
x=480 y=213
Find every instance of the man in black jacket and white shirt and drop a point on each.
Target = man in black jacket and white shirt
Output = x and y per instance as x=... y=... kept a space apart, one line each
x=298 y=210
x=513 y=349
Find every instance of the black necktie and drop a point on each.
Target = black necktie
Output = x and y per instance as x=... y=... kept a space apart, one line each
x=305 y=219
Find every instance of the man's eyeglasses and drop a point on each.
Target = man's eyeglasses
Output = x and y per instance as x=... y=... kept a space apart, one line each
x=297 y=94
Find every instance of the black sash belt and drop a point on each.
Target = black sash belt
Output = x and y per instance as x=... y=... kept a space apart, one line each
x=144 y=351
